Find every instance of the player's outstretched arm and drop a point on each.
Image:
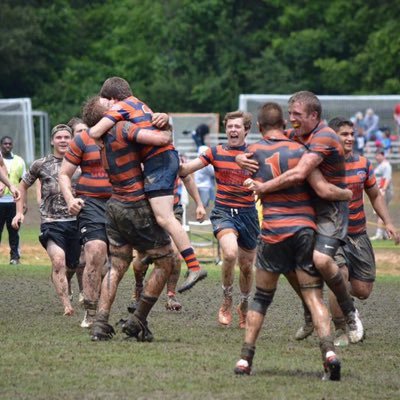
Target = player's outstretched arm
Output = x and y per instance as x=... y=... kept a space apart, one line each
x=67 y=170
x=327 y=190
x=190 y=167
x=191 y=187
x=18 y=220
x=379 y=205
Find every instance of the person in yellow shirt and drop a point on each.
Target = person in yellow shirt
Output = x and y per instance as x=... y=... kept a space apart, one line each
x=15 y=167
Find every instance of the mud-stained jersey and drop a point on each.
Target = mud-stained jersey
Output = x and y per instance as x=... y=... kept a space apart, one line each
x=134 y=110
x=286 y=211
x=359 y=176
x=84 y=152
x=324 y=142
x=52 y=205
x=121 y=160
x=229 y=176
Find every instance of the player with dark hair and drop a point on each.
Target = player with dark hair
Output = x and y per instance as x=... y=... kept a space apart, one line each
x=160 y=166
x=356 y=257
x=130 y=223
x=87 y=200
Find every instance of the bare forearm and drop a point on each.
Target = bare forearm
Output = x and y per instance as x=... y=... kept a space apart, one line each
x=380 y=207
x=66 y=187
x=192 y=189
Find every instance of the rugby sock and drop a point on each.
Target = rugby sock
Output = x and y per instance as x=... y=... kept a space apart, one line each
x=190 y=259
x=339 y=288
x=146 y=303
x=340 y=323
x=247 y=353
x=325 y=345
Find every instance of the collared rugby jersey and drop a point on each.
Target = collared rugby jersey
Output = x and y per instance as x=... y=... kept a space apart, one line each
x=359 y=176
x=285 y=211
x=229 y=176
x=122 y=161
x=84 y=152
x=134 y=110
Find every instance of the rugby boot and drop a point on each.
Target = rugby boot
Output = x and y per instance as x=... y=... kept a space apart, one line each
x=192 y=278
x=331 y=367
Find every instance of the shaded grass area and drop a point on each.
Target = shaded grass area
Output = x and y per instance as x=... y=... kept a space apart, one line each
x=47 y=356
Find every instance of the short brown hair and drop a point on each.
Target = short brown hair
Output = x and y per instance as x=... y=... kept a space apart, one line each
x=270 y=116
x=309 y=99
x=247 y=117
x=92 y=111
x=115 y=88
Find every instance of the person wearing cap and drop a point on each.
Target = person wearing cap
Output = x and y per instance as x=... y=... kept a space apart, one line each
x=58 y=229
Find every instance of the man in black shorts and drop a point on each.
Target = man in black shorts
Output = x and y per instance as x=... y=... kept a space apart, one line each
x=130 y=224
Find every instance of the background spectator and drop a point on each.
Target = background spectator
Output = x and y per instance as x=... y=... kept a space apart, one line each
x=205 y=181
x=371 y=125
x=16 y=168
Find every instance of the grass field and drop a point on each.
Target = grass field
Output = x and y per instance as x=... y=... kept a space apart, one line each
x=44 y=355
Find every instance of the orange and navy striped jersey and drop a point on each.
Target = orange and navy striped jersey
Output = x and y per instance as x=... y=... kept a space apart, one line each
x=134 y=110
x=359 y=176
x=325 y=142
x=121 y=159
x=285 y=211
x=83 y=152
x=229 y=176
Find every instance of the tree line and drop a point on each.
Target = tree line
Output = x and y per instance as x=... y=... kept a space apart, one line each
x=195 y=56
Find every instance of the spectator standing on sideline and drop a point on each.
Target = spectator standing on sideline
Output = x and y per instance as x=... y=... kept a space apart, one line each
x=383 y=173
x=200 y=135
x=59 y=233
x=371 y=125
x=15 y=166
x=396 y=117
x=205 y=181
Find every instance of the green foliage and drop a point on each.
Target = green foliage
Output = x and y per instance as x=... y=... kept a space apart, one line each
x=185 y=56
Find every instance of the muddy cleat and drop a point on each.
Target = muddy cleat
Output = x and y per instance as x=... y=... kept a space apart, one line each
x=138 y=329
x=225 y=312
x=242 y=313
x=173 y=304
x=331 y=368
x=242 y=368
x=192 y=278
x=101 y=330
x=342 y=339
x=304 y=331
x=356 y=329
